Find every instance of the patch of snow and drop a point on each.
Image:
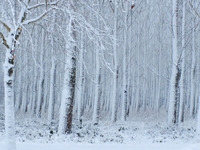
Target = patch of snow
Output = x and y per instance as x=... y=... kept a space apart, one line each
x=83 y=146
x=141 y=133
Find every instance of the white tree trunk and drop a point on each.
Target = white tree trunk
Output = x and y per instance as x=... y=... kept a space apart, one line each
x=9 y=94
x=52 y=79
x=97 y=91
x=192 y=92
x=67 y=96
x=24 y=85
x=137 y=97
x=97 y=82
x=160 y=65
x=68 y=89
x=51 y=92
x=80 y=81
x=40 y=95
x=124 y=89
x=198 y=119
x=115 y=75
x=181 y=111
x=175 y=75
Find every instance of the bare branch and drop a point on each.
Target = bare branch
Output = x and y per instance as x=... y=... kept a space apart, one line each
x=4 y=40
x=5 y=25
x=43 y=4
x=35 y=19
x=24 y=17
x=198 y=15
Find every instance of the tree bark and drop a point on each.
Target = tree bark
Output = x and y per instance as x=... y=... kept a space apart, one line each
x=66 y=110
x=9 y=66
x=115 y=74
x=181 y=112
x=124 y=89
x=174 y=100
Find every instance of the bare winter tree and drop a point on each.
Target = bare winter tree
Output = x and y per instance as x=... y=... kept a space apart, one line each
x=14 y=22
x=99 y=60
x=174 y=100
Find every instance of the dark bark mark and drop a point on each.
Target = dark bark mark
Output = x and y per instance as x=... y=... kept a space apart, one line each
x=10 y=72
x=71 y=98
x=9 y=83
x=42 y=99
x=177 y=96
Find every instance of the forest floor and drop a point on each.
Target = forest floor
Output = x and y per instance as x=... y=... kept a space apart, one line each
x=83 y=146
x=143 y=132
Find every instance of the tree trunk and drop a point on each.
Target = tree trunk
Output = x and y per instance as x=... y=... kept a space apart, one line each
x=65 y=122
x=80 y=82
x=97 y=95
x=115 y=74
x=40 y=98
x=9 y=65
x=66 y=110
x=97 y=91
x=181 y=112
x=174 y=101
x=124 y=89
x=137 y=97
x=52 y=79
x=192 y=94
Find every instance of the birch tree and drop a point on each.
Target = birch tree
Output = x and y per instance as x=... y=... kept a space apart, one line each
x=115 y=64
x=174 y=99
x=52 y=76
x=121 y=55
x=124 y=90
x=14 y=23
x=193 y=70
x=68 y=89
x=181 y=112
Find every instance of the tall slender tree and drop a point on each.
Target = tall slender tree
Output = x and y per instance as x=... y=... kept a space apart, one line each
x=174 y=99
x=14 y=26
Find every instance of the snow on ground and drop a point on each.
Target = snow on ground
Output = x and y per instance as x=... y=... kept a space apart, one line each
x=143 y=132
x=83 y=146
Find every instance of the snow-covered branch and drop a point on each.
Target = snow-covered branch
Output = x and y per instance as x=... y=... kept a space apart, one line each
x=35 y=19
x=198 y=15
x=5 y=25
x=43 y=4
x=4 y=40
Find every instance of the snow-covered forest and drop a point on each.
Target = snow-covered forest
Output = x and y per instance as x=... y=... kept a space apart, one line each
x=79 y=70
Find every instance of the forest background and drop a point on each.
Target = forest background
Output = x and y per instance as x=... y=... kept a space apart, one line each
x=71 y=61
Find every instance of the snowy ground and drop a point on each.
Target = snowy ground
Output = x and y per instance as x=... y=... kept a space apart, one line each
x=143 y=132
x=82 y=146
